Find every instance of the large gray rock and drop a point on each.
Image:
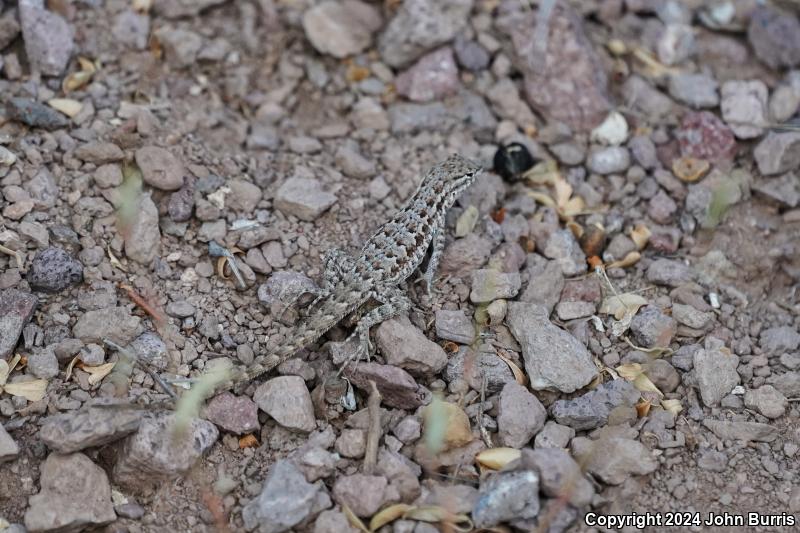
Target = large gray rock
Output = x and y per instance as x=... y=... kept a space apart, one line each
x=142 y=235
x=9 y=449
x=53 y=270
x=16 y=309
x=419 y=26
x=506 y=496
x=161 y=450
x=286 y=499
x=75 y=496
x=287 y=400
x=554 y=359
x=341 y=28
x=94 y=425
x=593 y=408
x=114 y=323
x=614 y=459
x=520 y=415
x=715 y=371
x=48 y=37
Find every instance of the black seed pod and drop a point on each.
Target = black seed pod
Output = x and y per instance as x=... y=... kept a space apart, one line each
x=512 y=160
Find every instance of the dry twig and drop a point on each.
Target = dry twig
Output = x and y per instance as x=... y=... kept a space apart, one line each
x=374 y=431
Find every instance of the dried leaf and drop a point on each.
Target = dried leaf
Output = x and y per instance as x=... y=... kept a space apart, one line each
x=545 y=172
x=5 y=370
x=437 y=514
x=497 y=458
x=114 y=261
x=248 y=441
x=631 y=259
x=690 y=169
x=634 y=373
x=67 y=106
x=500 y=215
x=542 y=198
x=466 y=222
x=629 y=371
x=595 y=262
x=620 y=304
x=33 y=391
x=70 y=366
x=655 y=351
x=141 y=6
x=354 y=520
x=388 y=515
x=673 y=406
x=642 y=408
x=79 y=79
x=97 y=373
x=519 y=375
x=357 y=73
x=640 y=235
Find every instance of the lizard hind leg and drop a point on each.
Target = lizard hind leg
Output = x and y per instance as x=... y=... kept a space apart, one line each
x=393 y=302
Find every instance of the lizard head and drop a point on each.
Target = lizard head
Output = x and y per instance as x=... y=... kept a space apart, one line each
x=453 y=175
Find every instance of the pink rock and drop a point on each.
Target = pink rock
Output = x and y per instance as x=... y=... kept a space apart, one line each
x=236 y=414
x=704 y=136
x=434 y=76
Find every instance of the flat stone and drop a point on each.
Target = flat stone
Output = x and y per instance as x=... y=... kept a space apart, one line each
x=489 y=285
x=506 y=496
x=159 y=451
x=342 y=28
x=715 y=371
x=286 y=499
x=559 y=475
x=361 y=493
x=767 y=400
x=143 y=236
x=592 y=409
x=75 y=495
x=433 y=77
x=744 y=431
x=609 y=160
x=419 y=26
x=9 y=449
x=563 y=248
x=695 y=90
x=652 y=328
x=99 y=153
x=160 y=168
x=35 y=114
x=93 y=425
x=520 y=416
x=303 y=198
x=779 y=339
x=614 y=459
x=396 y=386
x=546 y=281
x=114 y=323
x=244 y=196
x=553 y=435
x=454 y=326
x=553 y=358
x=16 y=310
x=744 y=107
x=778 y=153
x=237 y=414
x=49 y=39
x=287 y=400
x=775 y=36
x=563 y=77
x=405 y=346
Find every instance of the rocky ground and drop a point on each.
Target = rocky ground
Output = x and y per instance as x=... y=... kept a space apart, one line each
x=615 y=327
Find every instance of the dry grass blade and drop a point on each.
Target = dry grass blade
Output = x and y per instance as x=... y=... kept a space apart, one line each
x=354 y=520
x=497 y=458
x=388 y=515
x=17 y=256
x=159 y=317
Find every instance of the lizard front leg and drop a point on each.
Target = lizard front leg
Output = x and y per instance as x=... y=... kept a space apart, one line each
x=437 y=247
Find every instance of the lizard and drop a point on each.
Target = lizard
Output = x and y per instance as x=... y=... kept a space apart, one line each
x=394 y=252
